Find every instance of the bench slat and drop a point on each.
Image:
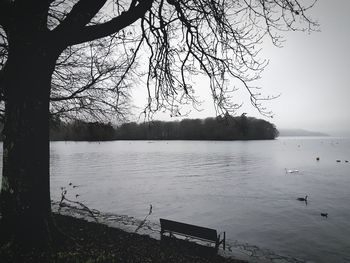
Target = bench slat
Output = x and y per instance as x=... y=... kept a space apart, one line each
x=190 y=230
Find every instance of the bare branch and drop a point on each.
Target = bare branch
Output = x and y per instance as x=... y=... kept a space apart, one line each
x=116 y=24
x=179 y=40
x=220 y=39
x=80 y=15
x=90 y=80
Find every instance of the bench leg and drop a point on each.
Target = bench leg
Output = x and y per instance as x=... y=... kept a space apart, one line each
x=224 y=241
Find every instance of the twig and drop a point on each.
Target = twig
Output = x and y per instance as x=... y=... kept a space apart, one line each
x=144 y=220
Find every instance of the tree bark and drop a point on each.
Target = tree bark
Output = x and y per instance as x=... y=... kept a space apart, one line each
x=25 y=191
x=26 y=81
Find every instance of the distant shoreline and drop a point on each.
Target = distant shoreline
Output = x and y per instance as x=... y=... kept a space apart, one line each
x=300 y=133
x=147 y=140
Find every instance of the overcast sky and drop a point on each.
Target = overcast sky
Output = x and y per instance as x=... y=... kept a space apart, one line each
x=311 y=72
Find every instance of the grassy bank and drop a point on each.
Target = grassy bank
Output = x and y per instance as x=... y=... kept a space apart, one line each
x=99 y=243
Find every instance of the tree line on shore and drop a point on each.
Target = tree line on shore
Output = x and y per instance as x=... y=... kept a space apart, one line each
x=219 y=128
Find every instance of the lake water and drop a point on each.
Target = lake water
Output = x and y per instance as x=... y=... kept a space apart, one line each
x=240 y=187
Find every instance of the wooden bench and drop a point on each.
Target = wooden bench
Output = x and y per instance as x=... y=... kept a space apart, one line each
x=187 y=230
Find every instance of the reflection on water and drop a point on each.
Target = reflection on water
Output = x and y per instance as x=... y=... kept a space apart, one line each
x=239 y=187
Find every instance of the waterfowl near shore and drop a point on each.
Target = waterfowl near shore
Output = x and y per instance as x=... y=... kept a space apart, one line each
x=303 y=199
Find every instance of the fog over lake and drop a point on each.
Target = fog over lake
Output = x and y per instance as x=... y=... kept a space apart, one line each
x=240 y=187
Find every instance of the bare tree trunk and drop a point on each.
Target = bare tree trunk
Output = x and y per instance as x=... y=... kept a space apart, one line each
x=25 y=191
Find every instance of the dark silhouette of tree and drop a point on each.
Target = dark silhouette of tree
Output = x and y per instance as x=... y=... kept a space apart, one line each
x=48 y=63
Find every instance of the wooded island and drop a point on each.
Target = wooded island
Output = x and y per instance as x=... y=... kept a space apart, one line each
x=218 y=128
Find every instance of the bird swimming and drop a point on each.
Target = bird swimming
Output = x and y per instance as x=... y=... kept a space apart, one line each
x=291 y=171
x=324 y=214
x=304 y=199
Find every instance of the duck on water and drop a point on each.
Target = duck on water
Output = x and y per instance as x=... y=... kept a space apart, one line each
x=291 y=171
x=303 y=199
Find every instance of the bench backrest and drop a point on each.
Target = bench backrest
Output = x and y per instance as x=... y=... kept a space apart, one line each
x=189 y=230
